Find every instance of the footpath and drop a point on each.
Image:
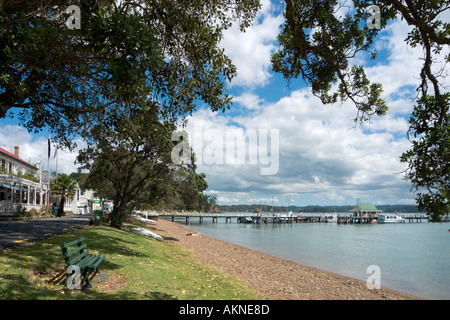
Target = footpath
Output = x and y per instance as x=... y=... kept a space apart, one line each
x=21 y=232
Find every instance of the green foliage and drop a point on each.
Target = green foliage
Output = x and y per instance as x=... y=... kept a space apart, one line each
x=28 y=176
x=80 y=178
x=63 y=187
x=52 y=76
x=208 y=203
x=21 y=212
x=322 y=58
x=127 y=161
x=45 y=210
x=428 y=160
x=34 y=212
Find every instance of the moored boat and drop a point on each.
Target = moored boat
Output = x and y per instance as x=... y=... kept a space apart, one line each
x=391 y=218
x=331 y=218
x=245 y=220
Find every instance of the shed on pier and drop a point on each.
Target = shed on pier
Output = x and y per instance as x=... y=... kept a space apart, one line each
x=365 y=210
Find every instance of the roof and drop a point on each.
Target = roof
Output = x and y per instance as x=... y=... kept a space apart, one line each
x=366 y=207
x=9 y=154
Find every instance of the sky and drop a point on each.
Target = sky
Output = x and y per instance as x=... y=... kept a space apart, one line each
x=278 y=144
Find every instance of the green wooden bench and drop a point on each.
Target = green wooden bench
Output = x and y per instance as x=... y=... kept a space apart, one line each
x=80 y=257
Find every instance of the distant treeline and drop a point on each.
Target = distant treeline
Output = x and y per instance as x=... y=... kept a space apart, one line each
x=401 y=208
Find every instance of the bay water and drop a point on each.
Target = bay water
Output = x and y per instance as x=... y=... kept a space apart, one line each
x=412 y=257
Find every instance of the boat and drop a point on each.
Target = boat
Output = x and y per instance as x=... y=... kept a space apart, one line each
x=299 y=217
x=332 y=218
x=245 y=220
x=391 y=218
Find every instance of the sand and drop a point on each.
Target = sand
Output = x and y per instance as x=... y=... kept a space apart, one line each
x=272 y=277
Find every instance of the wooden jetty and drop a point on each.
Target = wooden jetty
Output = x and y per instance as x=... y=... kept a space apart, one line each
x=281 y=218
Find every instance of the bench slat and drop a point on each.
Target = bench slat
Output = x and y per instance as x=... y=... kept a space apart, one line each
x=74 y=242
x=100 y=259
x=79 y=257
x=80 y=248
x=87 y=262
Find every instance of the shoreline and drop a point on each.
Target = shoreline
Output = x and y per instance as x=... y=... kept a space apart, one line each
x=273 y=277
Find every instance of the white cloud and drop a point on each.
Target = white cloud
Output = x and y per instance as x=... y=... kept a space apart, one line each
x=402 y=67
x=389 y=124
x=35 y=148
x=249 y=101
x=250 y=51
x=319 y=153
x=399 y=73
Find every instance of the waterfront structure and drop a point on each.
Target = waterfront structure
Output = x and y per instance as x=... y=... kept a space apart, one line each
x=271 y=218
x=21 y=183
x=365 y=210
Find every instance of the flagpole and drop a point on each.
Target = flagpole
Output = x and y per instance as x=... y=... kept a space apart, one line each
x=40 y=170
x=48 y=168
x=56 y=156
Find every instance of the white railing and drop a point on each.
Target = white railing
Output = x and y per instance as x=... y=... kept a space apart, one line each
x=8 y=208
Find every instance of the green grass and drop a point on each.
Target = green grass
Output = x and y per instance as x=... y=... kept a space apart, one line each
x=139 y=268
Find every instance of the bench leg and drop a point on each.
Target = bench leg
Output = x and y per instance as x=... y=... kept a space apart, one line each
x=87 y=283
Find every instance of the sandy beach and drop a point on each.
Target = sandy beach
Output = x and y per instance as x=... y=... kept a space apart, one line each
x=273 y=277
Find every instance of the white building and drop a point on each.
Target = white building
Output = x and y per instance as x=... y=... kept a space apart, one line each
x=21 y=183
x=82 y=202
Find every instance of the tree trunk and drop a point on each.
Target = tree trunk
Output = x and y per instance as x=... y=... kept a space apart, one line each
x=61 y=206
x=117 y=217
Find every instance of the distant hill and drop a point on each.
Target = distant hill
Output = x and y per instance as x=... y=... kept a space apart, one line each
x=401 y=208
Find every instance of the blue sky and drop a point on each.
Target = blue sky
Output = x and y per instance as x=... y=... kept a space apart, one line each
x=320 y=157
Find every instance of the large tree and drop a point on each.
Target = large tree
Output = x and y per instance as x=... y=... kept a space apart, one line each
x=134 y=163
x=128 y=157
x=124 y=52
x=318 y=46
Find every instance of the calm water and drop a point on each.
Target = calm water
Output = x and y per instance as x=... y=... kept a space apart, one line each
x=413 y=257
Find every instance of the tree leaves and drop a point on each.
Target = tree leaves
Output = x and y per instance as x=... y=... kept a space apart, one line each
x=428 y=160
x=317 y=46
x=124 y=53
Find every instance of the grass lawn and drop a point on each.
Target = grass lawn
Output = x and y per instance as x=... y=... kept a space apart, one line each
x=139 y=267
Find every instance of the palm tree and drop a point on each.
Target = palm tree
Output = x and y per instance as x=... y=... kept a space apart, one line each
x=63 y=186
